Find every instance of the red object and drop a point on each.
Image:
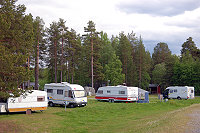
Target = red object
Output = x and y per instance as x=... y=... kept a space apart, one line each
x=158 y=89
x=117 y=98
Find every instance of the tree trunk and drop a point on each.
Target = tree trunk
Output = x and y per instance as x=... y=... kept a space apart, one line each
x=55 y=60
x=28 y=83
x=61 y=62
x=140 y=68
x=37 y=66
x=92 y=63
x=72 y=67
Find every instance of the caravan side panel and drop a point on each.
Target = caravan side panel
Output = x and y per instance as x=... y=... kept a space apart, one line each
x=182 y=92
x=117 y=93
x=59 y=93
x=37 y=100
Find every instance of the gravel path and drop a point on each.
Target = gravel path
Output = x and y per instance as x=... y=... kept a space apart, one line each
x=193 y=126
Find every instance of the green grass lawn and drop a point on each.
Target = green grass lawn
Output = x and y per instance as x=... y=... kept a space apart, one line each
x=100 y=117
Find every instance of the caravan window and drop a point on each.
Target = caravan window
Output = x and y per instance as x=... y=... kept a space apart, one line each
x=171 y=91
x=108 y=91
x=121 y=92
x=100 y=92
x=175 y=90
x=70 y=93
x=49 y=90
x=60 y=92
x=40 y=98
x=192 y=91
x=79 y=93
x=66 y=93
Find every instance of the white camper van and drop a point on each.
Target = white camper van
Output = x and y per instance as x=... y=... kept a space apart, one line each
x=117 y=93
x=32 y=100
x=60 y=93
x=179 y=92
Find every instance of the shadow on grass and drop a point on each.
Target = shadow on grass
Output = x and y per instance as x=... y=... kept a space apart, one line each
x=22 y=112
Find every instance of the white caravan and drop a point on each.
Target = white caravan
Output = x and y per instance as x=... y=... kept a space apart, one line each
x=117 y=93
x=32 y=100
x=60 y=93
x=179 y=92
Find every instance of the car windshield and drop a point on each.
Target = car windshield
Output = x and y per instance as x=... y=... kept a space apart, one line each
x=79 y=93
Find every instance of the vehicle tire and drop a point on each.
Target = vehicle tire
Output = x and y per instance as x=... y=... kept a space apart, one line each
x=111 y=100
x=71 y=105
x=51 y=104
x=179 y=98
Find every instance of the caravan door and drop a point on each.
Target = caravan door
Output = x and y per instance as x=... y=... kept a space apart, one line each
x=60 y=96
x=191 y=92
x=68 y=95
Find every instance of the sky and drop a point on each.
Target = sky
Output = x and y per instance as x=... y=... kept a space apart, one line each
x=169 y=21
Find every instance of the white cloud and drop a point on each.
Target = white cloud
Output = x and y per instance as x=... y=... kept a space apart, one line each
x=158 y=7
x=153 y=22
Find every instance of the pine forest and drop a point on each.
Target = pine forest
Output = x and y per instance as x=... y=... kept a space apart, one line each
x=31 y=52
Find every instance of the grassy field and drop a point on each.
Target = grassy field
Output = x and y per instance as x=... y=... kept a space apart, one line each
x=103 y=117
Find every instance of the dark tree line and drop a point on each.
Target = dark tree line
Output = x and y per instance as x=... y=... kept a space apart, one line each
x=31 y=52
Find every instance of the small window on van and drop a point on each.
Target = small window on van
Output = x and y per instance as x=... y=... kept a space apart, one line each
x=40 y=98
x=70 y=93
x=108 y=91
x=100 y=91
x=60 y=92
x=171 y=91
x=121 y=92
x=49 y=90
x=175 y=90
x=66 y=93
x=192 y=91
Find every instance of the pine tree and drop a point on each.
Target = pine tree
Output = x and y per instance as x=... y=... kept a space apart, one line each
x=92 y=41
x=73 y=49
x=110 y=62
x=113 y=71
x=62 y=41
x=158 y=74
x=16 y=39
x=125 y=55
x=142 y=61
x=190 y=47
x=161 y=53
x=53 y=48
x=38 y=47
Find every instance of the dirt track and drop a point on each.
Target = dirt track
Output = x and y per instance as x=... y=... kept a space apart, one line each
x=8 y=127
x=193 y=126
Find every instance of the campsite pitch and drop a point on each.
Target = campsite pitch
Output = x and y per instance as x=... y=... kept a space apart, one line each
x=104 y=117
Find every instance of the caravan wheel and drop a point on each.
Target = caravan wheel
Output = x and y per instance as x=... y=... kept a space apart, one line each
x=111 y=100
x=71 y=105
x=179 y=98
x=51 y=104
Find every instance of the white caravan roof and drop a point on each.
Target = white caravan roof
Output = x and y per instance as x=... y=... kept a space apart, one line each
x=175 y=87
x=63 y=84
